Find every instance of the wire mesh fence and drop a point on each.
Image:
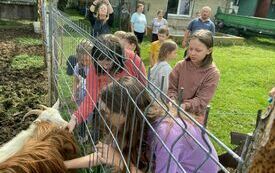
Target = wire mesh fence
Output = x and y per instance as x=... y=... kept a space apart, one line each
x=121 y=125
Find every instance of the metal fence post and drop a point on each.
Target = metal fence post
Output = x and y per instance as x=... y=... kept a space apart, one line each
x=48 y=42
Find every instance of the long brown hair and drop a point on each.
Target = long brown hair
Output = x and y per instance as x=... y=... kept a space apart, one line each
x=132 y=39
x=130 y=135
x=110 y=50
x=117 y=97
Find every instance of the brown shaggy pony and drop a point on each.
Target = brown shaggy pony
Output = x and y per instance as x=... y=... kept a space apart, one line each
x=44 y=152
x=41 y=148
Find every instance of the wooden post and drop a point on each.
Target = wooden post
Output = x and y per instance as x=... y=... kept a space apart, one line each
x=261 y=151
x=41 y=18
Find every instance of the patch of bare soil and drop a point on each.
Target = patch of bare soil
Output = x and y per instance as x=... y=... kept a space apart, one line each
x=20 y=89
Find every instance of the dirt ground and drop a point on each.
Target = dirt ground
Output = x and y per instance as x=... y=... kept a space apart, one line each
x=20 y=89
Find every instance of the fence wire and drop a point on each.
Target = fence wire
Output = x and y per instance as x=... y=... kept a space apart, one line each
x=150 y=136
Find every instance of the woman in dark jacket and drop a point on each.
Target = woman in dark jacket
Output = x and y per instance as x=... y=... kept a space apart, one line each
x=101 y=17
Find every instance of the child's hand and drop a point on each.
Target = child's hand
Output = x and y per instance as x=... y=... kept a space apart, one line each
x=183 y=106
x=172 y=103
x=108 y=155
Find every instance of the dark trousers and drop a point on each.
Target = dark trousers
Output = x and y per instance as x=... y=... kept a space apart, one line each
x=139 y=36
x=154 y=37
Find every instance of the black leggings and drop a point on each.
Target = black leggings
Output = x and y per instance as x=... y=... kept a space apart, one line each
x=139 y=36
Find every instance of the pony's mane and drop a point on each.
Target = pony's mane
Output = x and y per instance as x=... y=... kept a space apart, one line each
x=44 y=153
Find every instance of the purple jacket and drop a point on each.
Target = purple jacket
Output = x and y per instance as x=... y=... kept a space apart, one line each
x=182 y=146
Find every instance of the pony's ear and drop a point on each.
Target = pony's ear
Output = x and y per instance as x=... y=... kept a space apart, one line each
x=56 y=105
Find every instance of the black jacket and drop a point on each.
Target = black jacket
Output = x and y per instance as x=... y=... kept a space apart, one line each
x=98 y=27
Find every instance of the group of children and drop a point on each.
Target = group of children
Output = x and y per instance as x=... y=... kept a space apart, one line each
x=117 y=56
x=191 y=84
x=161 y=52
x=196 y=74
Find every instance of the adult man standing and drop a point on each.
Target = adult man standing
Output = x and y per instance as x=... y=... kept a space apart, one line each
x=201 y=22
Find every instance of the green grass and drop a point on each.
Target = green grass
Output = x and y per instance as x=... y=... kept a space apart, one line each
x=14 y=23
x=74 y=14
x=26 y=61
x=28 y=41
x=247 y=74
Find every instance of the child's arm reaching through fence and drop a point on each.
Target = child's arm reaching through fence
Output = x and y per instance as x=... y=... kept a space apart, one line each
x=105 y=154
x=88 y=104
x=82 y=162
x=110 y=156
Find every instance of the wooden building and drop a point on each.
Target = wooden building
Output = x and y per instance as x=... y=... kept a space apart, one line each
x=18 y=9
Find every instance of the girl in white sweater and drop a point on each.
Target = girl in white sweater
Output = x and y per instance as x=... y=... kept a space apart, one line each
x=161 y=70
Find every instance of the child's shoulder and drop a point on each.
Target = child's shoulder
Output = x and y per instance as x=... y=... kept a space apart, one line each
x=164 y=65
x=174 y=127
x=167 y=66
x=134 y=15
x=181 y=63
x=156 y=43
